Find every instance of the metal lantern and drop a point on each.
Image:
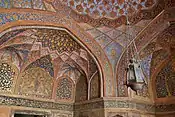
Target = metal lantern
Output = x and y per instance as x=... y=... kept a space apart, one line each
x=135 y=76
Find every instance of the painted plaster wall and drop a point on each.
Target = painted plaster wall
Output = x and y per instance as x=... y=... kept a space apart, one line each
x=5 y=111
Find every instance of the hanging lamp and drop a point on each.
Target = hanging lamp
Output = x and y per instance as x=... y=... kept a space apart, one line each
x=135 y=77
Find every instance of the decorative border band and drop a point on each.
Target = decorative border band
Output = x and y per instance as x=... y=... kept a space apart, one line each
x=14 y=101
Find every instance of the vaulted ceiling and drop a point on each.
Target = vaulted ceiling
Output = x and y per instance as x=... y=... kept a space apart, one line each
x=106 y=21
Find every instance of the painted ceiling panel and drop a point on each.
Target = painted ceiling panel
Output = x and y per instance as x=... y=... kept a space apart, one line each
x=114 y=33
x=121 y=35
x=104 y=29
x=108 y=8
x=103 y=40
x=94 y=32
x=123 y=39
x=113 y=51
x=110 y=13
x=146 y=65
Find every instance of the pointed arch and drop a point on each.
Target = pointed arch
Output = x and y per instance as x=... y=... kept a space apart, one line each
x=106 y=74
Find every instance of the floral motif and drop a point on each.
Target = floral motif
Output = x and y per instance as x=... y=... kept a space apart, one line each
x=7 y=74
x=64 y=89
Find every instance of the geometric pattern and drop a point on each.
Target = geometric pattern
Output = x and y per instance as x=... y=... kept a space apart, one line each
x=5 y=3
x=35 y=4
x=41 y=81
x=57 y=40
x=114 y=40
x=113 y=52
x=22 y=3
x=108 y=8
